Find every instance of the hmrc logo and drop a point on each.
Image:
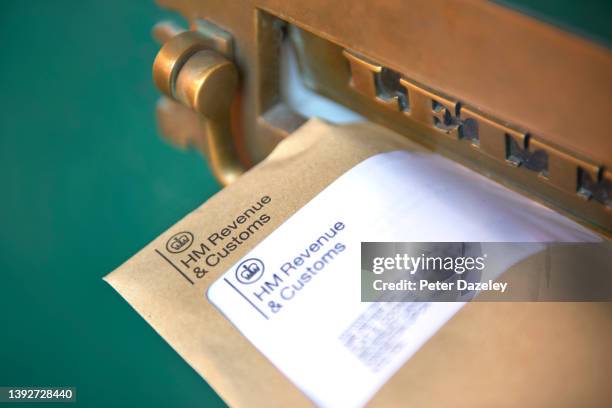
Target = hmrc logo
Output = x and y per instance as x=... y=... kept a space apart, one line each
x=179 y=242
x=249 y=270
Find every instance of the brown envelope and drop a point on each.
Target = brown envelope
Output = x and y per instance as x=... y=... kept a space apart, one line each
x=489 y=354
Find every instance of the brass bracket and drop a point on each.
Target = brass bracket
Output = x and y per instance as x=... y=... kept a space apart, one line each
x=193 y=68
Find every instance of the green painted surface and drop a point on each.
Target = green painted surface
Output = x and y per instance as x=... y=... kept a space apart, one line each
x=591 y=19
x=86 y=182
